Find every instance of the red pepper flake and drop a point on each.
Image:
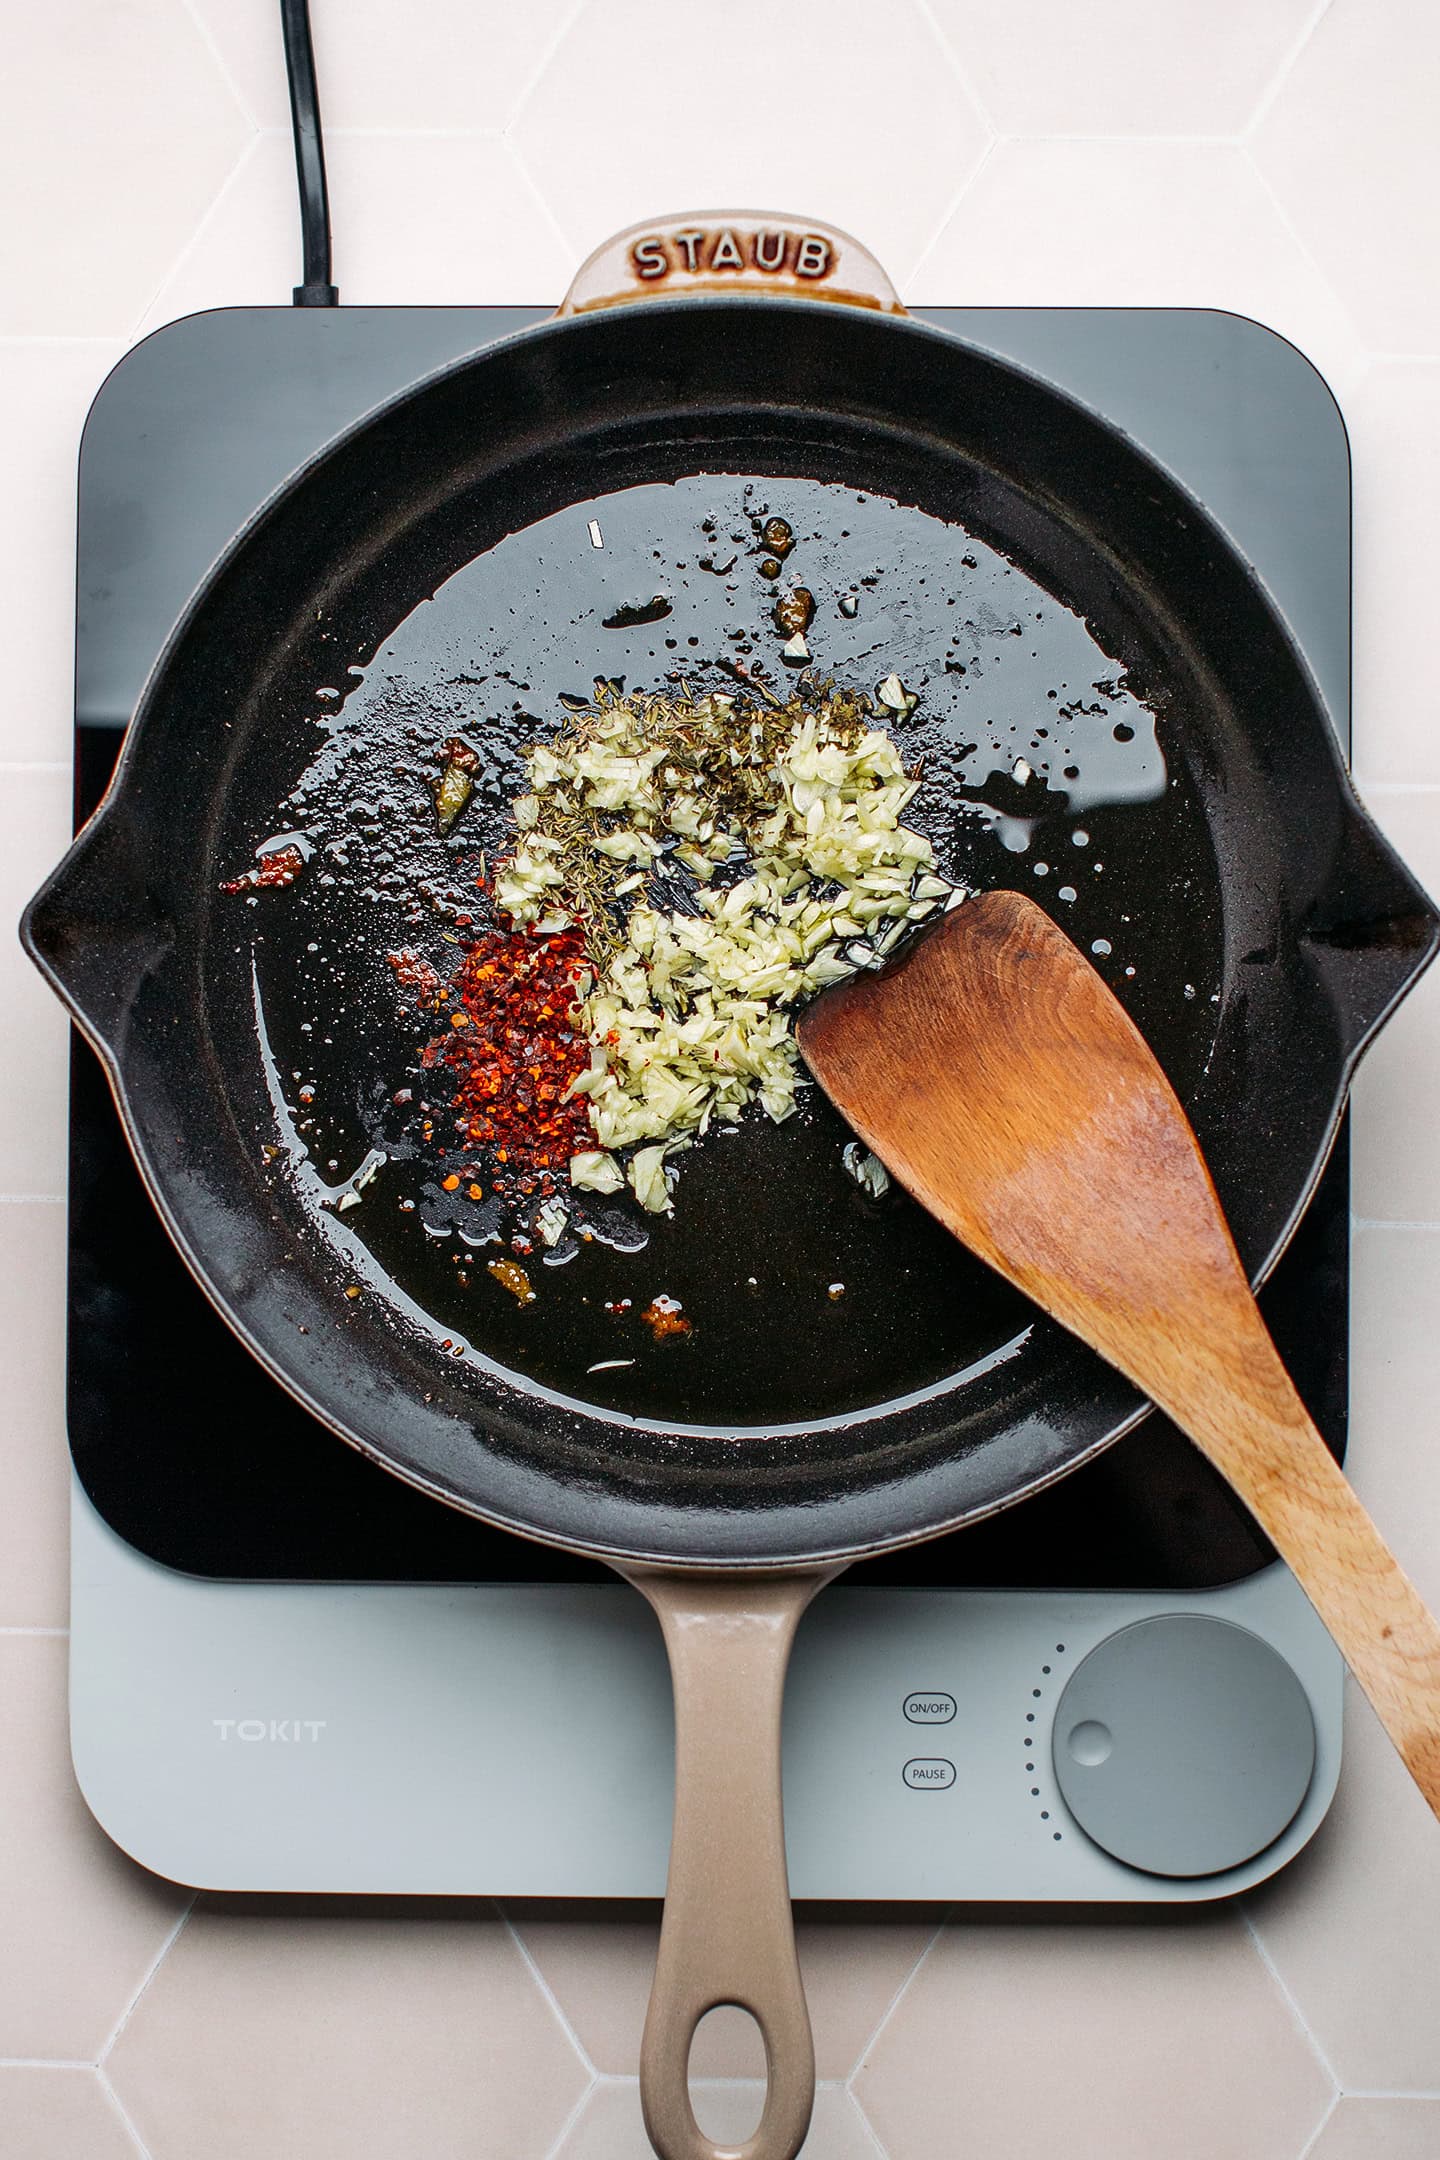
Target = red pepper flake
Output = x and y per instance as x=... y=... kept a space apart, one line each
x=413 y=973
x=279 y=868
x=456 y=751
x=511 y=1050
x=665 y=1316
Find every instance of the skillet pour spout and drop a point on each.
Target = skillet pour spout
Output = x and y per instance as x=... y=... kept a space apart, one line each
x=1370 y=934
x=99 y=925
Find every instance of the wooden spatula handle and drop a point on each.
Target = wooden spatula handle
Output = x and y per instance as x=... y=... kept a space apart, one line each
x=1302 y=1500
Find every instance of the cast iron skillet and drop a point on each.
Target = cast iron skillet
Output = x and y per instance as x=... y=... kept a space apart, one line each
x=1275 y=926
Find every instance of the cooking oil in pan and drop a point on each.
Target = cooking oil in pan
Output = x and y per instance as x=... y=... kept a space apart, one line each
x=805 y=1297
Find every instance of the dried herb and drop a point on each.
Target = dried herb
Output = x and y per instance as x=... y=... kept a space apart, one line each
x=456 y=783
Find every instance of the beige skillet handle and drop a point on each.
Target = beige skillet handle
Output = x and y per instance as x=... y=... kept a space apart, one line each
x=731 y=251
x=728 y=1935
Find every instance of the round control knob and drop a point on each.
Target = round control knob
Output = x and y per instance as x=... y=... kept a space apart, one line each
x=1183 y=1745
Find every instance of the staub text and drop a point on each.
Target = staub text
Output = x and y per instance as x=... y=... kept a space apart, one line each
x=704 y=251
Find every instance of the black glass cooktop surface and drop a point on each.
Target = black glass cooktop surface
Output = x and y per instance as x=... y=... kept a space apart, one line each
x=186 y=1447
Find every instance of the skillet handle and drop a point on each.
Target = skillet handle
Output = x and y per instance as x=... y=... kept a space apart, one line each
x=730 y=251
x=727 y=1935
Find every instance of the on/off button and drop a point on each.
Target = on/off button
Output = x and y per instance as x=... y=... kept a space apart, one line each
x=930 y=1709
x=928 y=1773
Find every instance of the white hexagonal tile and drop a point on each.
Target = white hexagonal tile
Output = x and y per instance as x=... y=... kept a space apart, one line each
x=611 y=2127
x=1117 y=2039
x=1351 y=146
x=1392 y=413
x=35 y=1040
x=1351 y=1924
x=34 y=1462
x=45 y=391
x=416 y=219
x=82 y=1923
x=449 y=64
x=116 y=129
x=327 y=2031
x=598 y=1964
x=822 y=108
x=1121 y=67
x=1380 y=2130
x=1396 y=1159
x=1134 y=224
x=53 y=2114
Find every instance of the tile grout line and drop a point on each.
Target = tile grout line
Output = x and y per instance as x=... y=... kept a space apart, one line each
x=202 y=30
x=976 y=95
x=192 y=245
x=32 y=1199
x=117 y=2104
x=1318 y=2132
x=409 y=134
x=1391 y=1222
x=890 y=2008
x=20 y=338
x=947 y=215
x=531 y=82
x=136 y=1999
x=1301 y=2021
x=545 y=1989
x=958 y=69
x=42 y=2062
x=1322 y=276
x=1285 y=69
x=1068 y=135
x=870 y=2131
x=554 y=2151
x=575 y=249
x=34 y=1631
x=527 y=180
x=1386 y=2092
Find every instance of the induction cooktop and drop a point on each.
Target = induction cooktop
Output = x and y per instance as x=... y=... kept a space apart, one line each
x=292 y=1672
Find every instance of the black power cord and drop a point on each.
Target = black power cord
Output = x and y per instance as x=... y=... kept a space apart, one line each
x=317 y=290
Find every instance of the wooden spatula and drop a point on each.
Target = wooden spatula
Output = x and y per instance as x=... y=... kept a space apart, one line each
x=998 y=1078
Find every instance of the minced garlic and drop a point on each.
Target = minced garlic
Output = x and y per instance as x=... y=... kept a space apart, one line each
x=631 y=812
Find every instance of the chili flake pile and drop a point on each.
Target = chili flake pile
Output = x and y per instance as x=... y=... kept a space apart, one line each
x=514 y=1055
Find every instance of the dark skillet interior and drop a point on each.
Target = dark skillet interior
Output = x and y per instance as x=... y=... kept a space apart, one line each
x=1267 y=926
